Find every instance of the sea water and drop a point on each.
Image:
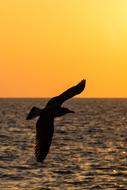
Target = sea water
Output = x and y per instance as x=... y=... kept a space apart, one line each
x=89 y=148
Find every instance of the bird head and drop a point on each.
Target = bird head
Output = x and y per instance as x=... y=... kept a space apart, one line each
x=62 y=111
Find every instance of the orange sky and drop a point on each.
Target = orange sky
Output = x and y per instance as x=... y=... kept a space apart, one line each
x=48 y=45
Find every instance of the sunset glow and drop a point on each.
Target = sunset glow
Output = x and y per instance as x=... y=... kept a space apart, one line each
x=48 y=45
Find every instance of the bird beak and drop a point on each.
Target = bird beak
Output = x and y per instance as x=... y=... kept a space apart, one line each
x=72 y=111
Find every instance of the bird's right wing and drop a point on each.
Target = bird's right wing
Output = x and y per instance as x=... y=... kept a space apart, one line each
x=71 y=92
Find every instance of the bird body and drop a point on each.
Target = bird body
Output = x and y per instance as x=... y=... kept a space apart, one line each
x=45 y=123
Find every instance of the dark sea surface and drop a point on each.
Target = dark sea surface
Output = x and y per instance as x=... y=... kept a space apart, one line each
x=89 y=148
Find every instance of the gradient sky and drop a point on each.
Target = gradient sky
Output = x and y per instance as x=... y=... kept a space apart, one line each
x=47 y=46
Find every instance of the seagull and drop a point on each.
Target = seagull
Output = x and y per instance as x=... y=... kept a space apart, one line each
x=45 y=123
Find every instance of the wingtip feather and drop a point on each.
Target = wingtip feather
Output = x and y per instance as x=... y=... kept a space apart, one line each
x=82 y=84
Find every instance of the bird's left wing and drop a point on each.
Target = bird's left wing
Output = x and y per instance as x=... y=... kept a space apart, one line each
x=44 y=134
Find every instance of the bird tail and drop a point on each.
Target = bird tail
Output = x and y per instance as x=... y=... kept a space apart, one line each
x=34 y=112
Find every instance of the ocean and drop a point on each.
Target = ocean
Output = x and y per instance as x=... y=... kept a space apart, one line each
x=89 y=148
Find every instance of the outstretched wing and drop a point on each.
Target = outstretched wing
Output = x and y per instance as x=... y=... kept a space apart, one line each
x=77 y=89
x=44 y=134
x=71 y=92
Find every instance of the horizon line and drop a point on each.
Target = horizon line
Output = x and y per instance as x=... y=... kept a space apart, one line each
x=101 y=97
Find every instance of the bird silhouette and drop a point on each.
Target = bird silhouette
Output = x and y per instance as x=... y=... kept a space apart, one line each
x=45 y=123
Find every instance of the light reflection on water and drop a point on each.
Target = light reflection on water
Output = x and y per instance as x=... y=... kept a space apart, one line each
x=89 y=149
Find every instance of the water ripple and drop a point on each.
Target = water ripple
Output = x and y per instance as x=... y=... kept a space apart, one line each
x=89 y=149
